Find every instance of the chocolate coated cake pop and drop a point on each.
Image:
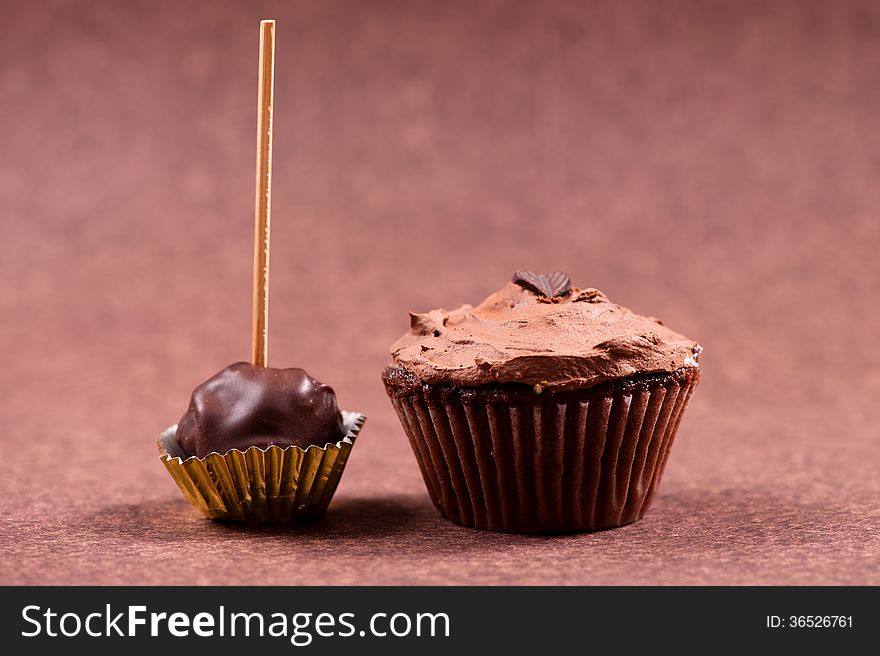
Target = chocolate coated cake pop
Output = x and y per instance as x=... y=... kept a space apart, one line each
x=245 y=405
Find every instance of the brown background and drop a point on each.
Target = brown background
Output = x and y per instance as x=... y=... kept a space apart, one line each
x=714 y=164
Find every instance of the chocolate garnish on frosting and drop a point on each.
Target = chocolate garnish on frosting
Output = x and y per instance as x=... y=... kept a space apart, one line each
x=552 y=285
x=245 y=405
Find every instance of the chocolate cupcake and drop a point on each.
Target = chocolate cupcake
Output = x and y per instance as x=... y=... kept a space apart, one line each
x=545 y=409
x=260 y=444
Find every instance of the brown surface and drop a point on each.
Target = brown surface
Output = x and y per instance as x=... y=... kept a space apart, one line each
x=713 y=164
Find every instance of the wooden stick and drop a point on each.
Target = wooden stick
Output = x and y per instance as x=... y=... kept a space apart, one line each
x=263 y=193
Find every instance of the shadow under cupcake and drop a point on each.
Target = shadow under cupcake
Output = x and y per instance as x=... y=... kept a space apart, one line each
x=545 y=409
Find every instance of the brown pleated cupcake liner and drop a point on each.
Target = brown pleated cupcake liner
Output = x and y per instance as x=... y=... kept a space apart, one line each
x=261 y=485
x=504 y=458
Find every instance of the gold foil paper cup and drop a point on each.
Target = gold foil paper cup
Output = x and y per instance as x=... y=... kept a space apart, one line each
x=509 y=459
x=261 y=485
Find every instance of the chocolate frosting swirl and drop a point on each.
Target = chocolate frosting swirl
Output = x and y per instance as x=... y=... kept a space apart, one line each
x=519 y=336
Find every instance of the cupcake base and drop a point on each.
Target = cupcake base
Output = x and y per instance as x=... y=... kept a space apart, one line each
x=261 y=485
x=505 y=458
